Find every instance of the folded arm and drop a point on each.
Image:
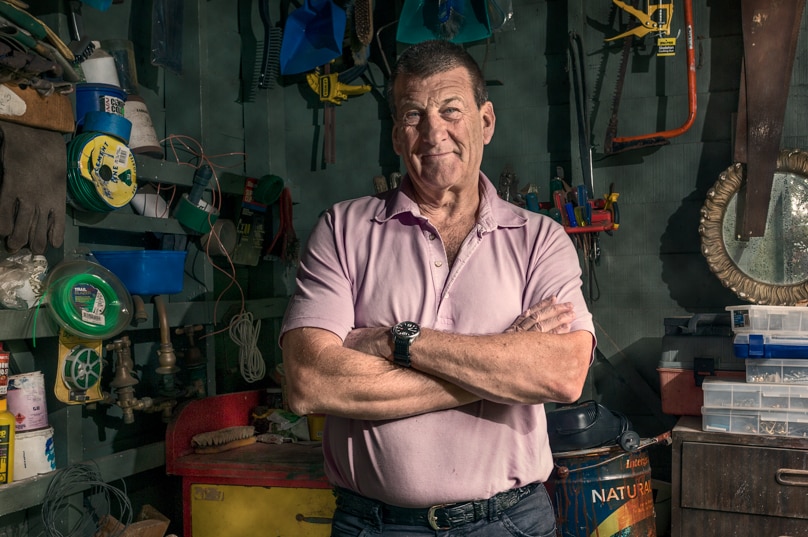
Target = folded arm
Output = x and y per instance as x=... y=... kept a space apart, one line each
x=325 y=376
x=536 y=360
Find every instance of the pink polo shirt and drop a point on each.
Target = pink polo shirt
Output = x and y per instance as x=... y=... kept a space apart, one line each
x=375 y=261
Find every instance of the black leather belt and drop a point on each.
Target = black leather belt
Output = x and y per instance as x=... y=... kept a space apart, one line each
x=437 y=517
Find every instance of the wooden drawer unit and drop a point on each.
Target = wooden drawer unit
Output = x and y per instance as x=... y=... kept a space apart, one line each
x=738 y=485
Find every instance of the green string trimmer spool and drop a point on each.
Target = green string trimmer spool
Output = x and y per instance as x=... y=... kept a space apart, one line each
x=88 y=300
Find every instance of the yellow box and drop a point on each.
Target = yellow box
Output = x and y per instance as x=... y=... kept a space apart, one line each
x=316 y=426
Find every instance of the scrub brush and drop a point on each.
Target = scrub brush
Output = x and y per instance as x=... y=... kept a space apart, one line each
x=223 y=439
x=363 y=20
x=80 y=45
x=360 y=22
x=273 y=38
x=450 y=18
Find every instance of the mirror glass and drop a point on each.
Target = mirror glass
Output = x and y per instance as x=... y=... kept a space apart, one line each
x=779 y=257
x=772 y=269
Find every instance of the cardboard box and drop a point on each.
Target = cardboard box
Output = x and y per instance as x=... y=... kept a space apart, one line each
x=28 y=107
x=149 y=523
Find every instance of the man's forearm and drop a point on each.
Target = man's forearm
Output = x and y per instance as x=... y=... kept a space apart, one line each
x=517 y=367
x=326 y=377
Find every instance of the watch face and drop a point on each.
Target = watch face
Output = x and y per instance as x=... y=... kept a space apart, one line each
x=407 y=329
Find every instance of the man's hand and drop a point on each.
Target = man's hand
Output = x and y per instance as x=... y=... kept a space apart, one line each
x=373 y=341
x=546 y=316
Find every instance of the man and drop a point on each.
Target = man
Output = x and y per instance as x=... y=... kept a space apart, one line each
x=440 y=426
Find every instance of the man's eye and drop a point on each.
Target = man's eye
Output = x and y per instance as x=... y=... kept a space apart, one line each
x=451 y=113
x=412 y=118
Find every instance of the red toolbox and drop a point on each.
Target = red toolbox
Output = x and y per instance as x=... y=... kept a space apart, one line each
x=694 y=348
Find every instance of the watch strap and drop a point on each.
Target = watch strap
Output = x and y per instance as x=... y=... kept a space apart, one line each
x=401 y=352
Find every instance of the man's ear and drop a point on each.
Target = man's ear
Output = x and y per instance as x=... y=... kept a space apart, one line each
x=489 y=121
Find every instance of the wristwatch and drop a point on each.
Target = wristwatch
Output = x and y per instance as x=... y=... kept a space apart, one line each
x=404 y=333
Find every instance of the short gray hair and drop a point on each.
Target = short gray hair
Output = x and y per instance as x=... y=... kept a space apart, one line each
x=433 y=57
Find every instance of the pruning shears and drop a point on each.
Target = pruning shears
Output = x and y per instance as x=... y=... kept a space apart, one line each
x=656 y=19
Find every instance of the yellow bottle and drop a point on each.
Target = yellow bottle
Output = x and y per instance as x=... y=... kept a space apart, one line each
x=7 y=425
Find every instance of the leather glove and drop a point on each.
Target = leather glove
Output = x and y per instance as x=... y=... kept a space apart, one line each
x=33 y=187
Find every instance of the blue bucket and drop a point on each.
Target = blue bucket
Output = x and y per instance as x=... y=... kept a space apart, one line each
x=604 y=492
x=98 y=98
x=146 y=272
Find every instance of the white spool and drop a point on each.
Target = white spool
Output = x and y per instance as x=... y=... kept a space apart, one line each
x=100 y=68
x=143 y=139
x=34 y=453
x=26 y=400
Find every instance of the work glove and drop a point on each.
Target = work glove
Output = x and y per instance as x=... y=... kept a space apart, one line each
x=33 y=187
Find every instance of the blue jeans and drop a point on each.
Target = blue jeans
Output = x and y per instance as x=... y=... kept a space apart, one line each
x=532 y=517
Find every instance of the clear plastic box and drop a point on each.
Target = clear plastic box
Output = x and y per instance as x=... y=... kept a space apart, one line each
x=749 y=345
x=777 y=371
x=758 y=422
x=743 y=396
x=769 y=319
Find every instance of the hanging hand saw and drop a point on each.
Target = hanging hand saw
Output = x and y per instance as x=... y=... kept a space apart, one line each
x=656 y=19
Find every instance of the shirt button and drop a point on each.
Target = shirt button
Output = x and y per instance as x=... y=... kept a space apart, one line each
x=431 y=236
x=438 y=264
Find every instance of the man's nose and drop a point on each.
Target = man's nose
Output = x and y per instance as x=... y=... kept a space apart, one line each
x=432 y=125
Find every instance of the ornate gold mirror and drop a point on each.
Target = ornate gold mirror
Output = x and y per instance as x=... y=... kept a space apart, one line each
x=772 y=269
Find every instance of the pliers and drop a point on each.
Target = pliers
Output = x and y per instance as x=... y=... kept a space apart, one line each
x=656 y=19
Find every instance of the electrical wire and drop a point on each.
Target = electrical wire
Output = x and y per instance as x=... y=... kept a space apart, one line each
x=75 y=479
x=180 y=143
x=245 y=334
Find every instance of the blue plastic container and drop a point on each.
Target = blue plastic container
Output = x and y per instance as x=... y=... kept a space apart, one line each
x=98 y=98
x=146 y=272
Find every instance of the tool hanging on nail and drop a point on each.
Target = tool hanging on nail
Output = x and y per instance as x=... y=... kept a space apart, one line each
x=333 y=89
x=273 y=39
x=578 y=71
x=656 y=19
x=644 y=25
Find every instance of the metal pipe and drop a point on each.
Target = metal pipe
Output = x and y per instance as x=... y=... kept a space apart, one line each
x=166 y=355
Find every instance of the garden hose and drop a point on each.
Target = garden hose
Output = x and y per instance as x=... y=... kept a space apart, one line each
x=101 y=175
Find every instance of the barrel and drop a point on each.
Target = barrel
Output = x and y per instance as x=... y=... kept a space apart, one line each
x=603 y=492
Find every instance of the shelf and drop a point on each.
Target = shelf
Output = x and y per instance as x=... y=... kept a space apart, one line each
x=31 y=492
x=171 y=173
x=20 y=324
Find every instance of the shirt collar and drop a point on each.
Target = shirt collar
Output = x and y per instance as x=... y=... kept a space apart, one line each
x=494 y=211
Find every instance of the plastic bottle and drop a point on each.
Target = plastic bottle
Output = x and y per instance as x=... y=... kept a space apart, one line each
x=7 y=425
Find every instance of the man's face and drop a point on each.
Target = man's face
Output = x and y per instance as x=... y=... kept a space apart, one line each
x=439 y=132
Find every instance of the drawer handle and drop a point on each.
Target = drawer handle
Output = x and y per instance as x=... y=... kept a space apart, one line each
x=784 y=477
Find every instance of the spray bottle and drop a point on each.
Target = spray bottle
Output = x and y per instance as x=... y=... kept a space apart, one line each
x=7 y=424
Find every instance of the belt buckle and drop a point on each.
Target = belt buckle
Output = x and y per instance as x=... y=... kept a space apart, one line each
x=432 y=518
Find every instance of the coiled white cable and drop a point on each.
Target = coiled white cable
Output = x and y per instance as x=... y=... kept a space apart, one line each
x=245 y=334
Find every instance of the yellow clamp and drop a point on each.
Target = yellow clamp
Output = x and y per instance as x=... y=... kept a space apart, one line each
x=656 y=19
x=611 y=206
x=330 y=89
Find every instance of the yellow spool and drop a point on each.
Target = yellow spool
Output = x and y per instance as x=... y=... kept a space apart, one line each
x=109 y=165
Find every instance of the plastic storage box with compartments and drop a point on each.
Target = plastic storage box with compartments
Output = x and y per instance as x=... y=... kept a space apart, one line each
x=721 y=394
x=774 y=370
x=782 y=320
x=757 y=422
